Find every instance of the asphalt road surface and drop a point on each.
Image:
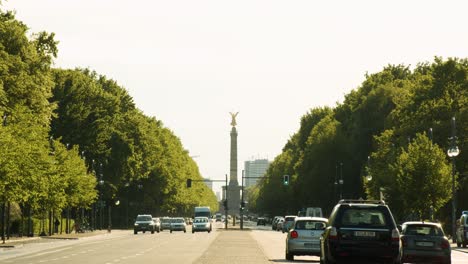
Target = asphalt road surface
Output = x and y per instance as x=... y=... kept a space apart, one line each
x=261 y=245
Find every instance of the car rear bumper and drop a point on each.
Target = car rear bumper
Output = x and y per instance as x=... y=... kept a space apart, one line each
x=304 y=247
x=388 y=253
x=425 y=256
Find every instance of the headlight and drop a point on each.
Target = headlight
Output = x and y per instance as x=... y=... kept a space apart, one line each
x=136 y=224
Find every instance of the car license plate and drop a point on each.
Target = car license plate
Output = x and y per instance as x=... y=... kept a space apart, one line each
x=364 y=233
x=424 y=244
x=310 y=245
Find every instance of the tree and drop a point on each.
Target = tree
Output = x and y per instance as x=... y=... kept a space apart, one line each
x=423 y=177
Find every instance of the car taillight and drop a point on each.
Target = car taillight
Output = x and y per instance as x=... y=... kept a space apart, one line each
x=395 y=235
x=294 y=234
x=333 y=233
x=445 y=244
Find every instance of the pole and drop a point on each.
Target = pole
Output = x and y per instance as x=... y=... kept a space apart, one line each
x=341 y=180
x=454 y=202
x=226 y=208
x=3 y=222
x=242 y=203
x=109 y=228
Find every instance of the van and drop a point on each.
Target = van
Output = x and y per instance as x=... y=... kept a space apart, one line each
x=311 y=212
x=462 y=230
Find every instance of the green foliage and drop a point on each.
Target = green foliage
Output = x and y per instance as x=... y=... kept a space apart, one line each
x=384 y=119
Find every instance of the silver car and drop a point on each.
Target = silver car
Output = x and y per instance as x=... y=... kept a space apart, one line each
x=201 y=224
x=165 y=223
x=178 y=224
x=288 y=222
x=304 y=237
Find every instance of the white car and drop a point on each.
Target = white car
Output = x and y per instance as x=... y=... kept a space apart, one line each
x=201 y=224
x=178 y=224
x=304 y=237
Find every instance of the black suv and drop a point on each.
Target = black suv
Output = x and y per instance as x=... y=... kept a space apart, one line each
x=360 y=231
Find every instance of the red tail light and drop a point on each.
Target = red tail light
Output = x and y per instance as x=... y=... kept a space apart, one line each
x=294 y=234
x=333 y=233
x=395 y=235
x=445 y=244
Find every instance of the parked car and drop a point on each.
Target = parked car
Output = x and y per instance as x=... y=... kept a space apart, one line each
x=143 y=223
x=261 y=221
x=304 y=236
x=178 y=224
x=360 y=230
x=201 y=224
x=462 y=230
x=165 y=223
x=157 y=224
x=424 y=242
x=288 y=223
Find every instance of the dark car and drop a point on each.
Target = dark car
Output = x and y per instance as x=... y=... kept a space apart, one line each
x=424 y=242
x=261 y=221
x=360 y=231
x=143 y=223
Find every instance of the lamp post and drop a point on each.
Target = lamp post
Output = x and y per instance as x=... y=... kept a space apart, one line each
x=452 y=152
x=341 y=180
x=336 y=181
x=3 y=202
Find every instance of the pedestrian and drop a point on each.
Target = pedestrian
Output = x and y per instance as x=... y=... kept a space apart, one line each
x=56 y=225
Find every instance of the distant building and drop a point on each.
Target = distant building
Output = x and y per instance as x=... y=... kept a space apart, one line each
x=255 y=169
x=208 y=183
x=218 y=196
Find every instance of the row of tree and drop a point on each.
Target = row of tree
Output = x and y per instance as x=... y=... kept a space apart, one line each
x=388 y=139
x=71 y=137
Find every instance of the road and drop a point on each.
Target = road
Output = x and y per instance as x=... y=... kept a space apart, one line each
x=261 y=245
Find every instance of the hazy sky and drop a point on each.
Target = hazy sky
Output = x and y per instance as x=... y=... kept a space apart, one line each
x=190 y=63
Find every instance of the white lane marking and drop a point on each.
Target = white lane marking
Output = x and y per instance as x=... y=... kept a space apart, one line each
x=48 y=252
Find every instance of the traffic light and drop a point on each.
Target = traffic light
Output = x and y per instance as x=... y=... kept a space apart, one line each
x=189 y=183
x=286 y=179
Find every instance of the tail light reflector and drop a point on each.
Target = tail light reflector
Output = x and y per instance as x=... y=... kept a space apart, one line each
x=294 y=234
x=445 y=244
x=395 y=235
x=333 y=233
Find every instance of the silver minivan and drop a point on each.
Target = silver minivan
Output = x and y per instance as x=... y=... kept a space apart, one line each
x=304 y=237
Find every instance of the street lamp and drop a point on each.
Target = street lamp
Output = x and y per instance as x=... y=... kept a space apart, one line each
x=452 y=152
x=369 y=175
x=341 y=180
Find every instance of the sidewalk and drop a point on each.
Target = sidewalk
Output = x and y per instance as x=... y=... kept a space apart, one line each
x=17 y=241
x=461 y=249
x=233 y=246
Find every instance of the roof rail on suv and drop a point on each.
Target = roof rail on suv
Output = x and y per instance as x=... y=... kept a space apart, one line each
x=362 y=201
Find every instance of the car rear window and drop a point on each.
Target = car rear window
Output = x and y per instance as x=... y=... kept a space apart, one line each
x=363 y=217
x=290 y=218
x=144 y=218
x=423 y=230
x=310 y=225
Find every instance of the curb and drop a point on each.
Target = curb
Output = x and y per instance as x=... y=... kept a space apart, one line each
x=61 y=238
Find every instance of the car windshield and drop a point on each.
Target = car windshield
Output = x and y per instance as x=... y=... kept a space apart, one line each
x=371 y=217
x=422 y=230
x=144 y=218
x=310 y=225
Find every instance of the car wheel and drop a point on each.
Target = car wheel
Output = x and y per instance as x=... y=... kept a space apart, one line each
x=152 y=232
x=135 y=232
x=171 y=231
x=185 y=231
x=144 y=232
x=289 y=256
x=464 y=244
x=193 y=232
x=458 y=244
